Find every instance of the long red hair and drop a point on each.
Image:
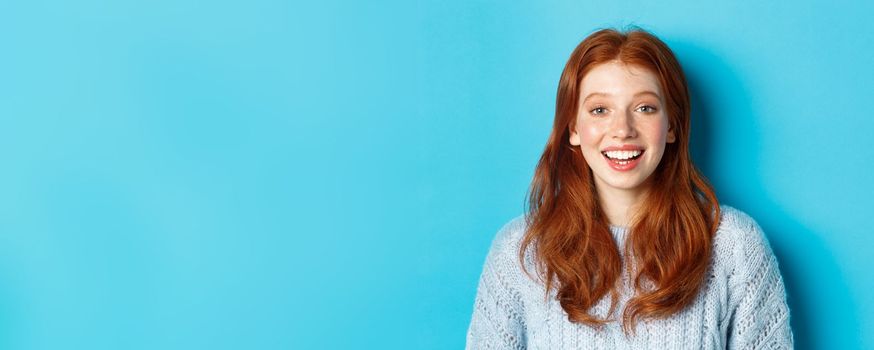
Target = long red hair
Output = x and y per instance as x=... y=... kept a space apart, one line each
x=669 y=244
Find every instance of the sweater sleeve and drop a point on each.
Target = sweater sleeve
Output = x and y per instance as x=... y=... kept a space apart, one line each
x=759 y=314
x=498 y=315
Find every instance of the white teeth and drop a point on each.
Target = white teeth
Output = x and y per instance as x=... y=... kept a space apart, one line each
x=623 y=154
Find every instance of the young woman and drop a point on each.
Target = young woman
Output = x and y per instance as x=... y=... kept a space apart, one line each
x=624 y=244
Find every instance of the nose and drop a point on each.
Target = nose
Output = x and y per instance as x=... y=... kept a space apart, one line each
x=622 y=126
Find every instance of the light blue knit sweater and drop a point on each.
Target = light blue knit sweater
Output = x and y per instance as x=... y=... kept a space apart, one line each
x=742 y=304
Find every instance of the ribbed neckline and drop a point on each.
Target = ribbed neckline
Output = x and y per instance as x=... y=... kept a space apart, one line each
x=621 y=228
x=619 y=234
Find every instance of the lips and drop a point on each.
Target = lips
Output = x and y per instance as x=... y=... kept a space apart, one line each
x=622 y=158
x=622 y=155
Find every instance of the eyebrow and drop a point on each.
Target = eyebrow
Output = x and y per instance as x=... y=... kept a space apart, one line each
x=645 y=92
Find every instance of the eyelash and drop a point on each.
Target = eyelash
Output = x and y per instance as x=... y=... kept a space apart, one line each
x=597 y=108
x=651 y=109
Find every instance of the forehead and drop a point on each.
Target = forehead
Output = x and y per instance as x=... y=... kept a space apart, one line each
x=620 y=79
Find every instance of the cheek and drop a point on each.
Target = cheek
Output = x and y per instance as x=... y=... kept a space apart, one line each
x=658 y=131
x=590 y=134
x=590 y=142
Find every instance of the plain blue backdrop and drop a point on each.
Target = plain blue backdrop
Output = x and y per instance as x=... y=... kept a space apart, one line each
x=183 y=174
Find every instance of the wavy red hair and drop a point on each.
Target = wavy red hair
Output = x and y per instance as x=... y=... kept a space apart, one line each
x=670 y=241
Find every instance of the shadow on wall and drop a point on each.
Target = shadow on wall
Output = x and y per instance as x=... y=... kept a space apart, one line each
x=822 y=312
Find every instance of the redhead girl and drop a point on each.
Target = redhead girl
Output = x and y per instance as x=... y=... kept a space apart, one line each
x=624 y=244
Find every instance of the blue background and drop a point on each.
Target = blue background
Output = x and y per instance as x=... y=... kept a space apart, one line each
x=261 y=174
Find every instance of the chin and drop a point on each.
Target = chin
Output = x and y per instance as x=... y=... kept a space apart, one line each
x=628 y=184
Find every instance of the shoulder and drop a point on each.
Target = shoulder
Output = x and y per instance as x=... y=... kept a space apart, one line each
x=503 y=255
x=756 y=296
x=740 y=231
x=510 y=234
x=733 y=219
x=740 y=244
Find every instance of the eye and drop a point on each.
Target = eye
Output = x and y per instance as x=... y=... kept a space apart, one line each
x=646 y=109
x=598 y=110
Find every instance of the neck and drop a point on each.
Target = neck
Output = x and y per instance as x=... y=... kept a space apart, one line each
x=620 y=206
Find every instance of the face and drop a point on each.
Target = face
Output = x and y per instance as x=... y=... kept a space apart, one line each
x=621 y=126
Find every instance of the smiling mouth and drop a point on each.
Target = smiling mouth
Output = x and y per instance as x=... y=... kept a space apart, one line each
x=622 y=157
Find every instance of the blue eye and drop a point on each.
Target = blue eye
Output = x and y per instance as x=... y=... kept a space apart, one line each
x=646 y=109
x=598 y=110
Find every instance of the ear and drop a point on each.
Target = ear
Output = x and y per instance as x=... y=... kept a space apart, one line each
x=575 y=137
x=671 y=136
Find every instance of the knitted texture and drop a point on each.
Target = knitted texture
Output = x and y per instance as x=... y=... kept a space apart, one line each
x=742 y=304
